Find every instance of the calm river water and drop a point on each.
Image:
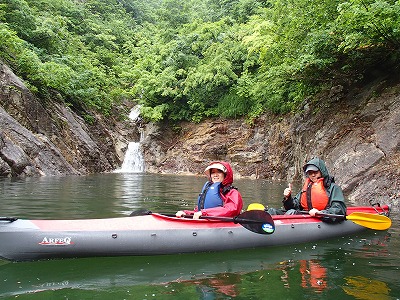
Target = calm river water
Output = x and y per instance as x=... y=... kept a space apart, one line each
x=358 y=267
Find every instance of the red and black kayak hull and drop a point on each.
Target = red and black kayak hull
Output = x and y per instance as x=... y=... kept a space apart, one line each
x=156 y=234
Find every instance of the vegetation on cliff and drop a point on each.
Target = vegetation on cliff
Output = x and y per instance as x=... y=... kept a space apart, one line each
x=186 y=60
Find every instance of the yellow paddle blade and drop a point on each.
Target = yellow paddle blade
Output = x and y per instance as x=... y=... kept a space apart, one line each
x=372 y=221
x=255 y=206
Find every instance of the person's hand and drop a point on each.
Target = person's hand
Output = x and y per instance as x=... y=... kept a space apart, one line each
x=288 y=191
x=312 y=212
x=197 y=215
x=180 y=214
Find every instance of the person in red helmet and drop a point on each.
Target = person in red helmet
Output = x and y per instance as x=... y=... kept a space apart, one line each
x=218 y=196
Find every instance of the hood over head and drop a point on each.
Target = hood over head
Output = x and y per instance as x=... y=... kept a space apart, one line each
x=224 y=167
x=319 y=163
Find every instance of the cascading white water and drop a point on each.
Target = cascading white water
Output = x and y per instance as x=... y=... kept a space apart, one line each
x=133 y=161
x=135 y=112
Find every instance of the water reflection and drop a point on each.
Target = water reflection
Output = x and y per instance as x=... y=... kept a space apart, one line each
x=226 y=284
x=128 y=190
x=117 y=194
x=345 y=268
x=366 y=289
x=313 y=274
x=309 y=267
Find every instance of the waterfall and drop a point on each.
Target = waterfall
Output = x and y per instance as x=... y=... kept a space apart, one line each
x=133 y=161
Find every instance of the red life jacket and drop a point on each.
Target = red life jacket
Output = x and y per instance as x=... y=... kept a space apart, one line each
x=316 y=197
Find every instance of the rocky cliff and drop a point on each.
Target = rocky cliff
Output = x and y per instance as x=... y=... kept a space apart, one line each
x=40 y=137
x=356 y=131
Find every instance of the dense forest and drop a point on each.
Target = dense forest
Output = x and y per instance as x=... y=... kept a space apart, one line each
x=187 y=60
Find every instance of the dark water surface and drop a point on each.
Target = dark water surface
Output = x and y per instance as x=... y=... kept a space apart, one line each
x=358 y=267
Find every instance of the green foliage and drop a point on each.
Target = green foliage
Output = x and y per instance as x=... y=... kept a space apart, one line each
x=186 y=60
x=155 y=114
x=368 y=35
x=232 y=105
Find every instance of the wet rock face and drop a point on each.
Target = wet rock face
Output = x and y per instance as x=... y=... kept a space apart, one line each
x=24 y=154
x=47 y=138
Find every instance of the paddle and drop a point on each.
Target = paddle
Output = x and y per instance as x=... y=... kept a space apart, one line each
x=257 y=221
x=8 y=219
x=372 y=221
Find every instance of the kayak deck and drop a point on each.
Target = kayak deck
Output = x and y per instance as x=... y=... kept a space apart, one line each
x=156 y=234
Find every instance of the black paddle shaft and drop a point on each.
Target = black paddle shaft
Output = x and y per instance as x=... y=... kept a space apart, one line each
x=258 y=221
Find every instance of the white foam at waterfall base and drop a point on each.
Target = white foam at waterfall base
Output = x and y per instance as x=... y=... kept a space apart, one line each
x=133 y=161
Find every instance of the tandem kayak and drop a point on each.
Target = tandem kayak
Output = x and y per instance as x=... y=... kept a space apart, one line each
x=157 y=234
